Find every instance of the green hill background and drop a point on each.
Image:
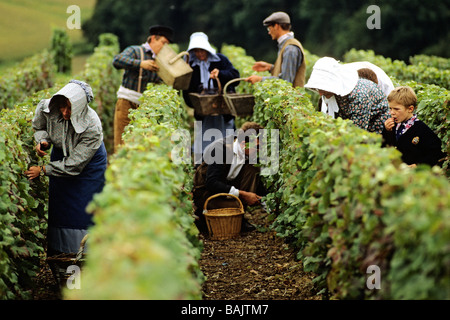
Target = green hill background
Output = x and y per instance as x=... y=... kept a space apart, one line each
x=26 y=25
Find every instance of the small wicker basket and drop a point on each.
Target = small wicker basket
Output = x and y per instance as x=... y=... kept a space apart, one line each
x=240 y=104
x=209 y=103
x=223 y=223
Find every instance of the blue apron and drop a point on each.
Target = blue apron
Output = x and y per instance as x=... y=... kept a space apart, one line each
x=69 y=196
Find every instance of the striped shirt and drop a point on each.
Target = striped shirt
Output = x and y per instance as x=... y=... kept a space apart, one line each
x=292 y=60
x=130 y=60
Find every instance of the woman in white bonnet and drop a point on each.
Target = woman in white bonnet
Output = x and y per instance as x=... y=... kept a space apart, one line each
x=208 y=65
x=77 y=164
x=344 y=94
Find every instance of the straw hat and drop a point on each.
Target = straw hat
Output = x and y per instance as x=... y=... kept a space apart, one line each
x=199 y=40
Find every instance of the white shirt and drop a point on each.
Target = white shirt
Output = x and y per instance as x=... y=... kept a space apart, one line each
x=236 y=165
x=284 y=37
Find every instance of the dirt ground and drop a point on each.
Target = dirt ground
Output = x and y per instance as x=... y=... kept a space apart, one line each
x=257 y=265
x=46 y=287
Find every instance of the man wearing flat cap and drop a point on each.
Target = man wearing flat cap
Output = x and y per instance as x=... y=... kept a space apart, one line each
x=290 y=64
x=140 y=69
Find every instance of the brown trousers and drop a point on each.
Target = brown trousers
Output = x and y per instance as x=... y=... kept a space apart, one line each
x=121 y=119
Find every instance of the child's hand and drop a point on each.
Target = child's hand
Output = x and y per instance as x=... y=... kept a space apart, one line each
x=389 y=124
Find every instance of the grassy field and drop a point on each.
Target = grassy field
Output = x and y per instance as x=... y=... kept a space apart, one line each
x=26 y=25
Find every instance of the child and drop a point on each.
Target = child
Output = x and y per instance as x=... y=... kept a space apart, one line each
x=413 y=138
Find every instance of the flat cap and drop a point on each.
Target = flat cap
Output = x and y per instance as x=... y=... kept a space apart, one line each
x=162 y=31
x=277 y=17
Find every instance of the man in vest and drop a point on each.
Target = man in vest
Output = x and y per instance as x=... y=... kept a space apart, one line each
x=290 y=64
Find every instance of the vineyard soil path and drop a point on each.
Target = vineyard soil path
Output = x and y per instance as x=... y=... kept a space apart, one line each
x=257 y=265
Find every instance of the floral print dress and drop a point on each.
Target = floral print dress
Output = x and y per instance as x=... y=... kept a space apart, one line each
x=366 y=106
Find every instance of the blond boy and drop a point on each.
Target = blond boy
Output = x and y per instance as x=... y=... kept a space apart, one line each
x=404 y=131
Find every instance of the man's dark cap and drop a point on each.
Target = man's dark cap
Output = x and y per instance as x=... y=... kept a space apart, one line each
x=162 y=31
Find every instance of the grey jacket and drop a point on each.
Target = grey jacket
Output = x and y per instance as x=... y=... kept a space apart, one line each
x=79 y=138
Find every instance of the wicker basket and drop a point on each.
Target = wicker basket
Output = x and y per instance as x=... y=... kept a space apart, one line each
x=173 y=70
x=238 y=103
x=206 y=104
x=59 y=263
x=223 y=223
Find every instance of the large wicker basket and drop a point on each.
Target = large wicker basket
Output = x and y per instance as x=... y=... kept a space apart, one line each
x=207 y=103
x=173 y=70
x=223 y=102
x=223 y=223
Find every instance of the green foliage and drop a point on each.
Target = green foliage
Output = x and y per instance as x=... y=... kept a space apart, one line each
x=23 y=204
x=421 y=72
x=144 y=244
x=429 y=84
x=27 y=27
x=104 y=80
x=327 y=28
x=434 y=109
x=333 y=27
x=109 y=40
x=346 y=203
x=343 y=201
x=23 y=207
x=62 y=50
x=418 y=220
x=430 y=61
x=31 y=75
x=243 y=63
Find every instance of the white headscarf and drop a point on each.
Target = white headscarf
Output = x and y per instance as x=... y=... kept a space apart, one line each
x=384 y=82
x=79 y=94
x=199 y=40
x=329 y=75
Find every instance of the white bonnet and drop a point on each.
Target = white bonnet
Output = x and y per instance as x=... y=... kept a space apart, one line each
x=199 y=40
x=329 y=75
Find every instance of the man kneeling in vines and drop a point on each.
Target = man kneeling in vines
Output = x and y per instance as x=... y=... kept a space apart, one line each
x=228 y=167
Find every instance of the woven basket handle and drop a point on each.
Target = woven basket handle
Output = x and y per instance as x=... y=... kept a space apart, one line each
x=241 y=207
x=81 y=250
x=178 y=56
x=228 y=101
x=231 y=81
x=219 y=85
